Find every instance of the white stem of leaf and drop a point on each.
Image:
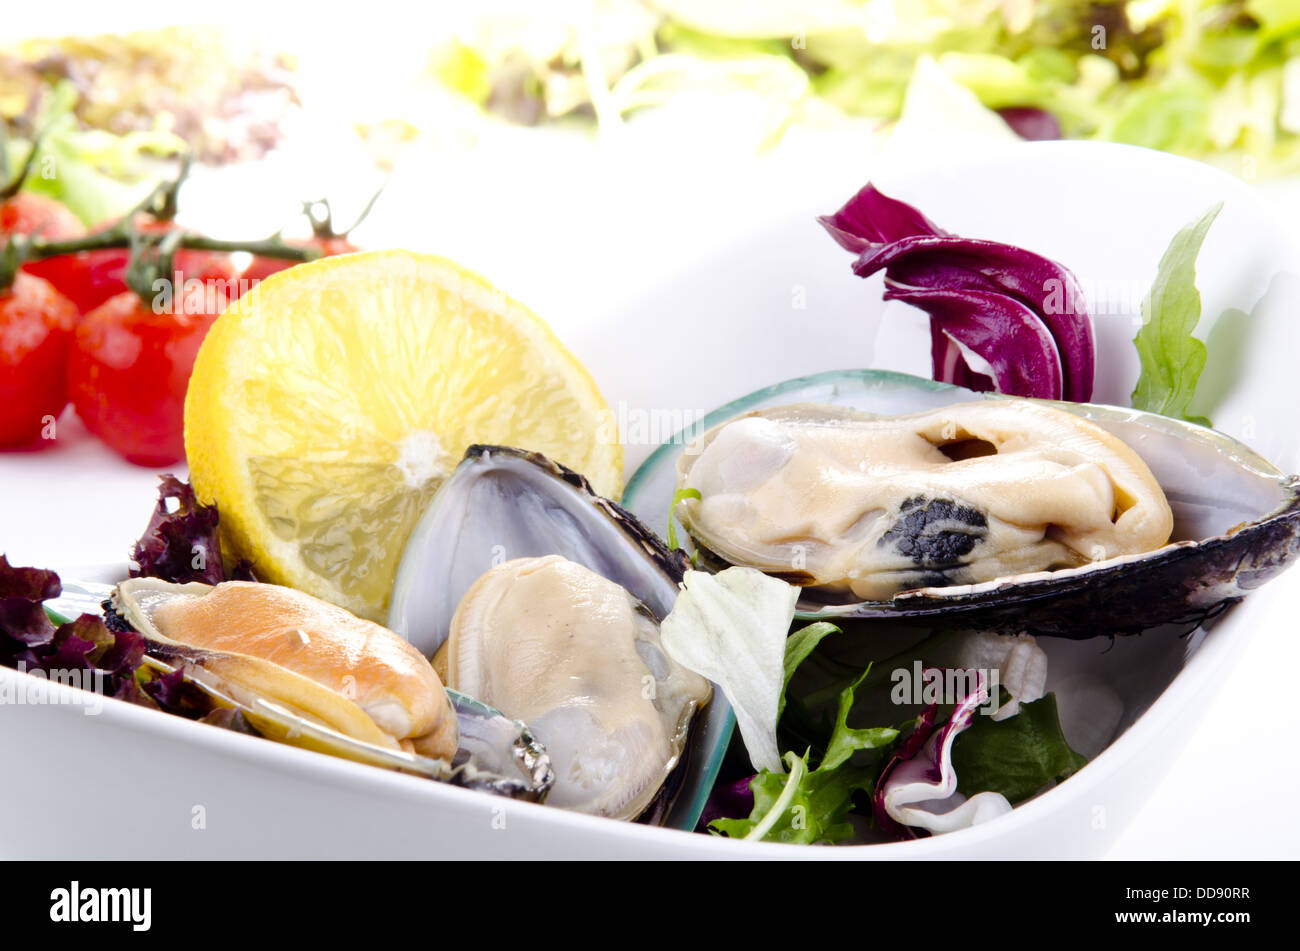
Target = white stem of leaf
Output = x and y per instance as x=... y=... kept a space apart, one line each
x=795 y=777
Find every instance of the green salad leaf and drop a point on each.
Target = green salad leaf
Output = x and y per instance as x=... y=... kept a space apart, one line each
x=1172 y=359
x=808 y=799
x=98 y=175
x=807 y=806
x=1159 y=74
x=845 y=740
x=797 y=648
x=1015 y=757
x=802 y=806
x=1277 y=18
x=1174 y=117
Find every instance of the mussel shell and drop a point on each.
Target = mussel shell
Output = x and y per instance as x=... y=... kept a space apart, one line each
x=503 y=503
x=1236 y=521
x=495 y=750
x=496 y=754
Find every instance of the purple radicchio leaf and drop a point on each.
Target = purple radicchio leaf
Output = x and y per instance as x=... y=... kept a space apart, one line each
x=918 y=787
x=1050 y=292
x=998 y=329
x=905 y=752
x=870 y=219
x=1029 y=303
x=950 y=364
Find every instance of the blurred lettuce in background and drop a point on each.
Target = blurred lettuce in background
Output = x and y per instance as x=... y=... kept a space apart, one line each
x=1216 y=79
x=96 y=174
x=106 y=113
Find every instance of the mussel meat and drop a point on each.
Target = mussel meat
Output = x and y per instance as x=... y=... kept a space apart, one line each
x=544 y=599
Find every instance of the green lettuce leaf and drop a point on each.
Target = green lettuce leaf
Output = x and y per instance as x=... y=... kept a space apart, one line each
x=1015 y=757
x=845 y=740
x=1172 y=359
x=1172 y=116
x=1152 y=74
x=800 y=807
x=99 y=176
x=809 y=806
x=1277 y=18
x=797 y=648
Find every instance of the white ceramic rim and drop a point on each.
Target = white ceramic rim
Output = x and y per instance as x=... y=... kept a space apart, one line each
x=1213 y=660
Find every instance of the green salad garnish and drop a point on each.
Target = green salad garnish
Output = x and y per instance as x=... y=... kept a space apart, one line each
x=1172 y=358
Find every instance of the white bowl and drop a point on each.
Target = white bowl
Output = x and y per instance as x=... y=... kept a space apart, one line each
x=780 y=302
x=129 y=782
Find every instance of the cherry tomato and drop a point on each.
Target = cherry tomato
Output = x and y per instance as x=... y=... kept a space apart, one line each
x=128 y=369
x=35 y=326
x=30 y=214
x=328 y=245
x=90 y=278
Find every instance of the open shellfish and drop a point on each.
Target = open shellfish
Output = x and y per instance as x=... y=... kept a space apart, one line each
x=1234 y=519
x=545 y=599
x=306 y=672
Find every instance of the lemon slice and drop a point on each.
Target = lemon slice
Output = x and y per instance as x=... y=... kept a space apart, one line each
x=328 y=404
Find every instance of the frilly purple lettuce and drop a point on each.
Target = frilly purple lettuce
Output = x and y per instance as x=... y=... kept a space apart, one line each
x=917 y=789
x=1017 y=316
x=31 y=642
x=181 y=542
